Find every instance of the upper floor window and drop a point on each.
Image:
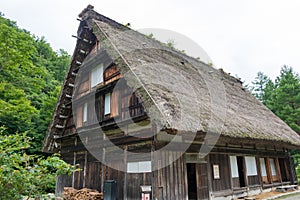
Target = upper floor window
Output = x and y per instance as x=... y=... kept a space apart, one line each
x=97 y=75
x=107 y=104
x=85 y=112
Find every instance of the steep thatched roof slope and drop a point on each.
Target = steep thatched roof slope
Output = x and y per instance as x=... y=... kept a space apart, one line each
x=187 y=94
x=169 y=76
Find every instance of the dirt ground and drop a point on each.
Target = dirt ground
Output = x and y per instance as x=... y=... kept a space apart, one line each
x=270 y=194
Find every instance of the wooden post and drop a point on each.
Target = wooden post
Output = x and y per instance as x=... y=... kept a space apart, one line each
x=269 y=173
x=245 y=172
x=230 y=174
x=74 y=163
x=259 y=172
x=84 y=169
x=209 y=176
x=293 y=178
x=102 y=169
x=125 y=174
x=278 y=170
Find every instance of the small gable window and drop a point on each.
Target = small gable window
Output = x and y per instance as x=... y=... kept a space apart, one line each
x=107 y=104
x=97 y=75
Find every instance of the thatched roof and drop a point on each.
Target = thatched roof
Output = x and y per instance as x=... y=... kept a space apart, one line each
x=188 y=95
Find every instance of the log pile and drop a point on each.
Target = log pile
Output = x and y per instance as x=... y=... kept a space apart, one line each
x=86 y=194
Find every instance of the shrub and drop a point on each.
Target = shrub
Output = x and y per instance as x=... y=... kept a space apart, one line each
x=26 y=175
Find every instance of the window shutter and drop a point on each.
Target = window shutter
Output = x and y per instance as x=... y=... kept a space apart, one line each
x=79 y=116
x=115 y=103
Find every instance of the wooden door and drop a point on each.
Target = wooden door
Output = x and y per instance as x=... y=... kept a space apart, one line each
x=197 y=181
x=202 y=181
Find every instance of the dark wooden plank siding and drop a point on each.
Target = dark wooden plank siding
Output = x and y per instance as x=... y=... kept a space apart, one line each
x=253 y=180
x=133 y=183
x=170 y=181
x=236 y=182
x=61 y=182
x=79 y=175
x=202 y=181
x=113 y=174
x=93 y=173
x=223 y=182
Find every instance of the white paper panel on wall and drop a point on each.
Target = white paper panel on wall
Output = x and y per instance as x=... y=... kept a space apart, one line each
x=234 y=167
x=263 y=167
x=251 y=166
x=273 y=168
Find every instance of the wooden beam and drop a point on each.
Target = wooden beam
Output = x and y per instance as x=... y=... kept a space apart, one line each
x=59 y=126
x=63 y=116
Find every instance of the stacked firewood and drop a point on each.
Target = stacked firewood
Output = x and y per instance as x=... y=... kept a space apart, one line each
x=86 y=194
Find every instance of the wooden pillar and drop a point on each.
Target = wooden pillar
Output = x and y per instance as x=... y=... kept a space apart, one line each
x=125 y=173
x=186 y=191
x=293 y=177
x=209 y=176
x=102 y=170
x=259 y=171
x=84 y=169
x=278 y=170
x=269 y=172
x=85 y=165
x=74 y=163
x=230 y=174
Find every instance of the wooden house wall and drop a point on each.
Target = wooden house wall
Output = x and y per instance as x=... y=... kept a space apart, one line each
x=171 y=182
x=224 y=182
x=168 y=183
x=134 y=181
x=113 y=174
x=93 y=173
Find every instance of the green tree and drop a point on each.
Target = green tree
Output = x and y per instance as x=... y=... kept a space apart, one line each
x=262 y=87
x=16 y=111
x=26 y=175
x=281 y=96
x=285 y=99
x=31 y=74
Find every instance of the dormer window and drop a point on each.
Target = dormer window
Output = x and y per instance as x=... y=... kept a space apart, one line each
x=97 y=75
x=107 y=104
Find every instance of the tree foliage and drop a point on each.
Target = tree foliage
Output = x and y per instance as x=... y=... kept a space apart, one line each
x=281 y=96
x=22 y=174
x=31 y=74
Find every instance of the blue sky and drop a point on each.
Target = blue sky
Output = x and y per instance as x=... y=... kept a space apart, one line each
x=240 y=36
